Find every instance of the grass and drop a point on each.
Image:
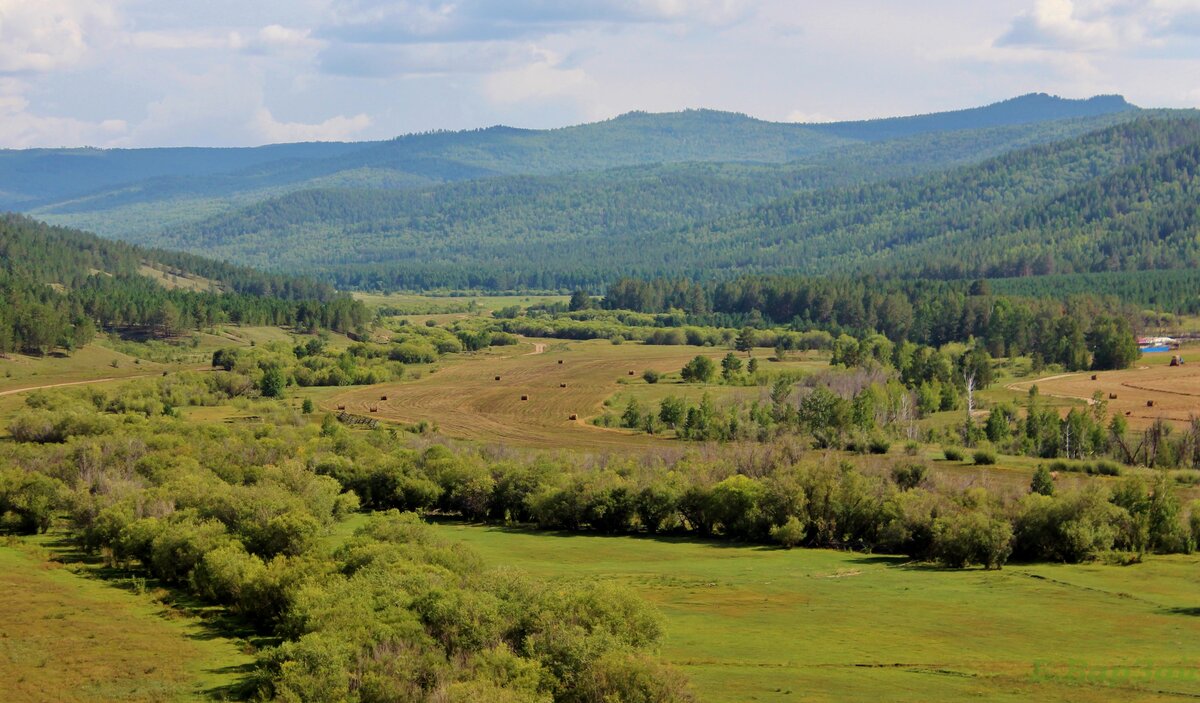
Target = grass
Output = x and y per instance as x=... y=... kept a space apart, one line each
x=757 y=624
x=453 y=304
x=466 y=402
x=67 y=637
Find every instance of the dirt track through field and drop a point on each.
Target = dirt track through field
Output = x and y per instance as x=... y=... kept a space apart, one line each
x=14 y=391
x=466 y=401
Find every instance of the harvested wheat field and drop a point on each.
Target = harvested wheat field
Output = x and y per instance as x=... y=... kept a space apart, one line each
x=467 y=402
x=1151 y=390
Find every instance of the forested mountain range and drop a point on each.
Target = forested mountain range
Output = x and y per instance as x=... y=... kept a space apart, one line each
x=1031 y=186
x=1109 y=199
x=138 y=192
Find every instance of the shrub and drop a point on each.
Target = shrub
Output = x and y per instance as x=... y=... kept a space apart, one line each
x=1043 y=482
x=700 y=369
x=878 y=445
x=972 y=537
x=984 y=457
x=789 y=534
x=909 y=476
x=952 y=453
x=912 y=448
x=651 y=376
x=413 y=353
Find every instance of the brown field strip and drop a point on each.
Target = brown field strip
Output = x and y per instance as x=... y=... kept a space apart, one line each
x=1175 y=392
x=467 y=402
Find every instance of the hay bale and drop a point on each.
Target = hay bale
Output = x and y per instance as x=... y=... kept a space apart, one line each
x=632 y=373
x=524 y=397
x=574 y=416
x=1149 y=403
x=1112 y=396
x=383 y=397
x=374 y=409
x=341 y=407
x=562 y=385
x=497 y=378
x=560 y=361
x=1094 y=377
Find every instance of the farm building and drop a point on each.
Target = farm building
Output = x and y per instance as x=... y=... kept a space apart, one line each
x=1157 y=344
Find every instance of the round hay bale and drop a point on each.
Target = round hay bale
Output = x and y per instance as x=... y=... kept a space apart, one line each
x=1094 y=377
x=1112 y=396
x=497 y=378
x=560 y=361
x=574 y=416
x=631 y=373
x=383 y=397
x=524 y=397
x=562 y=385
x=1149 y=403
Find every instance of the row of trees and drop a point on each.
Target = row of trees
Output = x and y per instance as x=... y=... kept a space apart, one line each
x=1077 y=332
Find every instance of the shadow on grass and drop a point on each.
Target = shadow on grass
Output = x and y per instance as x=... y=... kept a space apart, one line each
x=208 y=622
x=1194 y=612
x=243 y=689
x=664 y=537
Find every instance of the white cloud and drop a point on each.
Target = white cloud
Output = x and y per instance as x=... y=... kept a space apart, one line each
x=804 y=117
x=21 y=128
x=338 y=128
x=540 y=79
x=37 y=36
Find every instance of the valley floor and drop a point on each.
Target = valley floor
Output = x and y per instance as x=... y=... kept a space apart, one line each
x=759 y=624
x=68 y=636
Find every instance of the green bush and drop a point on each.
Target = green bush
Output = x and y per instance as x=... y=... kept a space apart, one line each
x=984 y=457
x=878 y=445
x=952 y=453
x=789 y=534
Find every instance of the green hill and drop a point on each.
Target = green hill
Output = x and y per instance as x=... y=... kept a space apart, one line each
x=58 y=287
x=125 y=193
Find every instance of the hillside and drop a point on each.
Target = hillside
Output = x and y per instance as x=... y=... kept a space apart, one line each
x=948 y=205
x=58 y=287
x=126 y=193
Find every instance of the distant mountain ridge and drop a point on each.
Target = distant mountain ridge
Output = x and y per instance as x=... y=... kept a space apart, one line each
x=1032 y=107
x=40 y=179
x=697 y=193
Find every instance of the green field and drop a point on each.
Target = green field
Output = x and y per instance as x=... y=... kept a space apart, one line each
x=65 y=636
x=759 y=624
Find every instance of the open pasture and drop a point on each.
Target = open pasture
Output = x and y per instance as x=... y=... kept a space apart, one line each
x=1173 y=390
x=467 y=402
x=69 y=638
x=759 y=624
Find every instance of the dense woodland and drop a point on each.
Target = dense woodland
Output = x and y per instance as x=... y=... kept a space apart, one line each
x=694 y=219
x=60 y=286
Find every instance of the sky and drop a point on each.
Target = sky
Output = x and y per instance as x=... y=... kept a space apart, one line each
x=138 y=73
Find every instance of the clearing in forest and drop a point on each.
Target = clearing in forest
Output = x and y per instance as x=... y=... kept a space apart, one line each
x=466 y=400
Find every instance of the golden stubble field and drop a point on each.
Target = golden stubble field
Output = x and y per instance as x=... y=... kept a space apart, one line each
x=1174 y=391
x=467 y=402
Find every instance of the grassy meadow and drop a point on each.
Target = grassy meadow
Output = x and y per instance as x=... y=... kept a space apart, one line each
x=761 y=624
x=67 y=634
